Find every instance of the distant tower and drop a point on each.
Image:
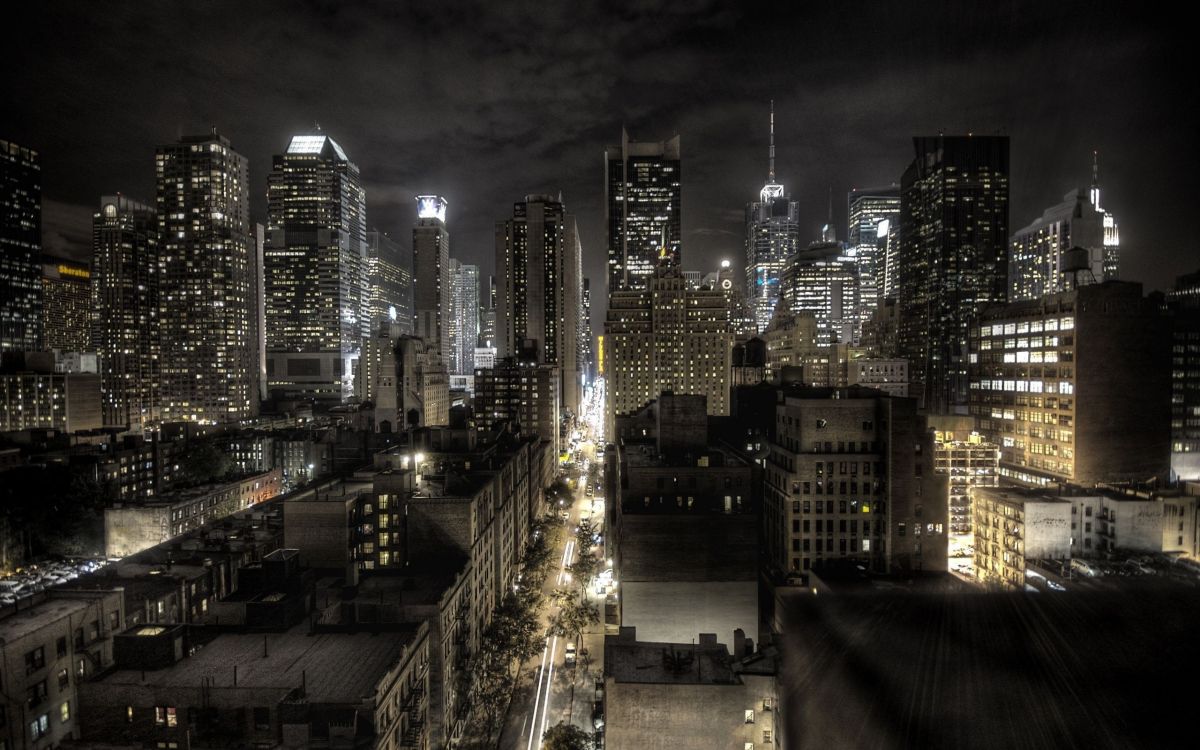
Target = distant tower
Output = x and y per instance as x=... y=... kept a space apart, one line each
x=772 y=238
x=208 y=355
x=642 y=202
x=20 y=248
x=316 y=261
x=1112 y=237
x=431 y=274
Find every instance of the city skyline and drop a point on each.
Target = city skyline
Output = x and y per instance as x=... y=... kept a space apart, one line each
x=835 y=127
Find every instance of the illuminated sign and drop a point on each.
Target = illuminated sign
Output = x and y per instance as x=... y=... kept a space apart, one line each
x=306 y=144
x=79 y=273
x=431 y=207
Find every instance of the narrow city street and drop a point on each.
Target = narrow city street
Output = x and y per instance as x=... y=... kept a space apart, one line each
x=551 y=691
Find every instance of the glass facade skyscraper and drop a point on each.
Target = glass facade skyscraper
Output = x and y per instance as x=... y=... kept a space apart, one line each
x=125 y=297
x=772 y=238
x=539 y=287
x=431 y=274
x=464 y=317
x=316 y=262
x=874 y=218
x=20 y=248
x=208 y=356
x=954 y=257
x=389 y=281
x=641 y=210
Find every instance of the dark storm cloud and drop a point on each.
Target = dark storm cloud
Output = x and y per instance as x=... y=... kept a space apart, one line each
x=487 y=102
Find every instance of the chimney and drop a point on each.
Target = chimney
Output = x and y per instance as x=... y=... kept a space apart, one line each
x=739 y=643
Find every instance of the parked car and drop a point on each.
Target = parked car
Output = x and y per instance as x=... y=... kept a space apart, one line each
x=569 y=657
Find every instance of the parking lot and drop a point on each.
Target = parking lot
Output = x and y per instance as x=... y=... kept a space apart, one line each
x=31 y=579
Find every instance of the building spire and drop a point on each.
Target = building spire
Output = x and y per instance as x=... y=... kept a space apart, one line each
x=1094 y=193
x=771 y=171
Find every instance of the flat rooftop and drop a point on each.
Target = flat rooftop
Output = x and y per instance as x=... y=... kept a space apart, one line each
x=25 y=622
x=648 y=662
x=340 y=667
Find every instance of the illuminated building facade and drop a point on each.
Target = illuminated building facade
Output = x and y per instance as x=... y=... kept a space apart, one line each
x=1014 y=527
x=207 y=254
x=389 y=281
x=968 y=461
x=641 y=210
x=316 y=254
x=1074 y=387
x=954 y=257
x=523 y=392
x=20 y=248
x=824 y=281
x=431 y=274
x=850 y=475
x=790 y=338
x=874 y=219
x=667 y=337
x=125 y=289
x=539 y=288
x=67 y=305
x=1184 y=302
x=587 y=358
x=464 y=317
x=772 y=239
x=1038 y=263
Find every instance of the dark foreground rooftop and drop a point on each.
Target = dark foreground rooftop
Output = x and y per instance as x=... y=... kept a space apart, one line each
x=1084 y=670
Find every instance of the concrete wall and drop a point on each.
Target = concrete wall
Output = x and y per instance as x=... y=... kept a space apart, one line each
x=1047 y=530
x=320 y=530
x=670 y=717
x=131 y=529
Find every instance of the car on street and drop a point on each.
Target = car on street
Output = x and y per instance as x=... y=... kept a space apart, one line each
x=569 y=655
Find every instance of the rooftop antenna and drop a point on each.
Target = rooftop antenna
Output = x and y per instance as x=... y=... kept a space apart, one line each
x=1095 y=191
x=771 y=170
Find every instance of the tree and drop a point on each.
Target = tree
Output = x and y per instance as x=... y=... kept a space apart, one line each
x=575 y=614
x=204 y=463
x=566 y=737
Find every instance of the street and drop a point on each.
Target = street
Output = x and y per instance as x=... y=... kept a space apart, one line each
x=550 y=691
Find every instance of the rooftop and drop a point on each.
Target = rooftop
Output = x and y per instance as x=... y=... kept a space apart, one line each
x=24 y=622
x=632 y=661
x=322 y=661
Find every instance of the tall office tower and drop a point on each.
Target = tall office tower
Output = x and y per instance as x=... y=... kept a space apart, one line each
x=66 y=305
x=1074 y=387
x=389 y=281
x=641 y=210
x=772 y=238
x=431 y=269
x=1184 y=303
x=539 y=287
x=954 y=243
x=724 y=279
x=205 y=289
x=316 y=258
x=464 y=317
x=487 y=314
x=1043 y=258
x=872 y=215
x=258 y=313
x=824 y=281
x=125 y=291
x=666 y=338
x=587 y=364
x=20 y=248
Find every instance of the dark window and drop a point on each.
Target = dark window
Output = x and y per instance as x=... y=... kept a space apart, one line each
x=807 y=544
x=35 y=660
x=61 y=647
x=35 y=694
x=795 y=545
x=64 y=679
x=262 y=718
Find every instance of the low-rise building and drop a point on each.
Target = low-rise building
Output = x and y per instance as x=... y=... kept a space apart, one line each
x=50 y=645
x=131 y=528
x=1015 y=526
x=663 y=695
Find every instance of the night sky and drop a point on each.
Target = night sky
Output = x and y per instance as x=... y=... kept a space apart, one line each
x=486 y=103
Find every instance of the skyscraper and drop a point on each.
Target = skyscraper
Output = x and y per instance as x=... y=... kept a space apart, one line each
x=587 y=364
x=539 y=285
x=666 y=338
x=125 y=297
x=66 y=305
x=316 y=256
x=873 y=214
x=954 y=241
x=641 y=209
x=772 y=237
x=824 y=281
x=1039 y=263
x=389 y=279
x=431 y=269
x=20 y=248
x=464 y=317
x=205 y=294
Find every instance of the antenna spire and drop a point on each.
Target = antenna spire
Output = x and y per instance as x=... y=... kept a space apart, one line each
x=1094 y=193
x=771 y=171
